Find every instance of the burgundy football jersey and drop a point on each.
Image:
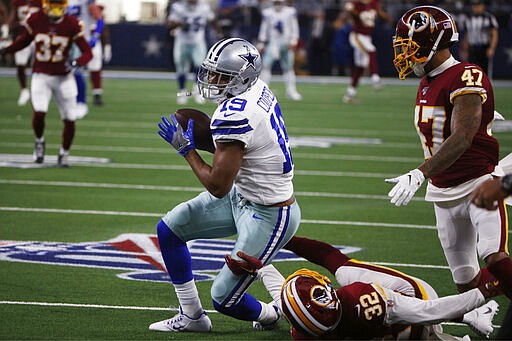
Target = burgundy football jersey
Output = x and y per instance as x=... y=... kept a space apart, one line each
x=53 y=41
x=433 y=117
x=364 y=16
x=23 y=8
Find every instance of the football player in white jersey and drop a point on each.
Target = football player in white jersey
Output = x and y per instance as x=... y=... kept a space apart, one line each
x=89 y=13
x=249 y=189
x=277 y=40
x=187 y=21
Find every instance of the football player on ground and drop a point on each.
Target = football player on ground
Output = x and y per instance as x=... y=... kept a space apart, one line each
x=488 y=195
x=453 y=114
x=21 y=9
x=278 y=39
x=53 y=33
x=249 y=188
x=372 y=302
x=89 y=13
x=363 y=14
x=188 y=20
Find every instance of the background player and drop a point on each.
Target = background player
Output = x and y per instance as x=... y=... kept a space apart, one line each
x=101 y=52
x=278 y=39
x=89 y=13
x=363 y=14
x=21 y=9
x=53 y=33
x=249 y=187
x=188 y=20
x=409 y=304
x=454 y=110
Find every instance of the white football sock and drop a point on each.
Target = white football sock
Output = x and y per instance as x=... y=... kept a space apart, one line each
x=189 y=299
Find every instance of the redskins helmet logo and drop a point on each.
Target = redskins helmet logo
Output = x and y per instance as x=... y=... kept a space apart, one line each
x=322 y=297
x=419 y=21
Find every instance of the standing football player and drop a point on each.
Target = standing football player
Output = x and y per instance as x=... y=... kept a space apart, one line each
x=53 y=33
x=453 y=114
x=363 y=14
x=89 y=13
x=188 y=20
x=249 y=189
x=374 y=302
x=278 y=39
x=21 y=9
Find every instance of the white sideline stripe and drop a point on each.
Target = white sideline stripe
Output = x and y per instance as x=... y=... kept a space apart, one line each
x=346 y=133
x=94 y=212
x=146 y=214
x=121 y=149
x=178 y=188
x=124 y=307
x=98 y=306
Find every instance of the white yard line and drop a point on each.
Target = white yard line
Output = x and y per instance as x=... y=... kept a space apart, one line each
x=149 y=214
x=190 y=189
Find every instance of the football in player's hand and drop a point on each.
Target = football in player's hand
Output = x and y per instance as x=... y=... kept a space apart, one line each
x=202 y=134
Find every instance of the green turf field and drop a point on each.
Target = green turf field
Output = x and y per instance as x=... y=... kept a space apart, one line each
x=341 y=191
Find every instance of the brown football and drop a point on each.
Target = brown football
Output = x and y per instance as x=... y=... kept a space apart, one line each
x=202 y=134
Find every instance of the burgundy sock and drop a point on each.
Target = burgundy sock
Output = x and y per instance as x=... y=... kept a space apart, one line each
x=373 y=63
x=67 y=134
x=502 y=270
x=96 y=79
x=38 y=123
x=22 y=78
x=355 y=75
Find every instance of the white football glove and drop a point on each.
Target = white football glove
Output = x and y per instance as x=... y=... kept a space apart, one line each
x=107 y=53
x=406 y=186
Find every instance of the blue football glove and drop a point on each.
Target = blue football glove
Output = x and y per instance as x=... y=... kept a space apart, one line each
x=182 y=141
x=94 y=39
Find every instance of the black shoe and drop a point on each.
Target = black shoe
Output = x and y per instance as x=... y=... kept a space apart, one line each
x=97 y=100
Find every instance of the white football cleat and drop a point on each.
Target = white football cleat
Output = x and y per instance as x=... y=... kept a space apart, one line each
x=480 y=319
x=81 y=110
x=182 y=97
x=182 y=323
x=294 y=95
x=24 y=97
x=348 y=99
x=199 y=99
x=268 y=326
x=63 y=160
x=39 y=149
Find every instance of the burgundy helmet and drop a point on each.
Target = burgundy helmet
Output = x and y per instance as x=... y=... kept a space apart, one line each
x=420 y=33
x=310 y=303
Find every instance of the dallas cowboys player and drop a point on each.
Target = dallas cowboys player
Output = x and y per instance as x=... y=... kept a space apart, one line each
x=187 y=21
x=89 y=13
x=249 y=188
x=278 y=38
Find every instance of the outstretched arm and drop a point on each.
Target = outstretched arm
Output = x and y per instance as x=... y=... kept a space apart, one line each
x=317 y=252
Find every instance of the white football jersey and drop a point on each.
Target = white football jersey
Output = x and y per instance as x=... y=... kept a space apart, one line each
x=279 y=26
x=80 y=9
x=196 y=18
x=254 y=118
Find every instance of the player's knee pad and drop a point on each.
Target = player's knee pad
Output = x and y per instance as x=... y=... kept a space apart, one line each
x=464 y=274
